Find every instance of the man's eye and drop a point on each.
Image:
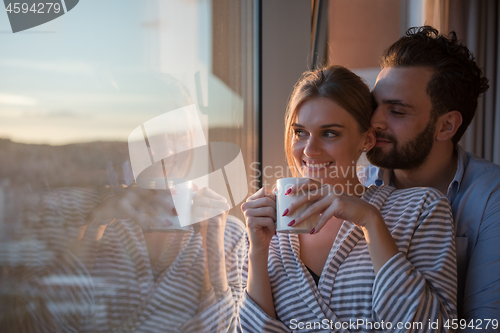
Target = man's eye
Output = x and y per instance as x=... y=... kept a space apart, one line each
x=397 y=113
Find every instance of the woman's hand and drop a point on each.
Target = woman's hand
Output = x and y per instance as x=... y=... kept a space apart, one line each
x=138 y=204
x=211 y=209
x=331 y=204
x=260 y=214
x=208 y=215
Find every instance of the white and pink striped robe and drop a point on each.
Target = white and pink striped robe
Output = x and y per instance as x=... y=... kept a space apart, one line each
x=416 y=285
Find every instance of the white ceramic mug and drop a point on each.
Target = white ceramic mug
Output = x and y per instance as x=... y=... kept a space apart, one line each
x=283 y=201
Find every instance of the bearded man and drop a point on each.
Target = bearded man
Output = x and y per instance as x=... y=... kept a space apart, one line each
x=424 y=99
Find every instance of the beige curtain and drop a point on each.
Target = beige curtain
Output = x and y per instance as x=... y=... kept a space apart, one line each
x=436 y=14
x=477 y=24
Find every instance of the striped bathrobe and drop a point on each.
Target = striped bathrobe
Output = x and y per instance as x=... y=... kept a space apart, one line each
x=133 y=296
x=416 y=285
x=50 y=290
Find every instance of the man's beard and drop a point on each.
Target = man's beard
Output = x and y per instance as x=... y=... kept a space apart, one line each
x=410 y=156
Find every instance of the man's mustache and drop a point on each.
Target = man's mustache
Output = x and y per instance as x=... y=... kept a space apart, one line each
x=387 y=137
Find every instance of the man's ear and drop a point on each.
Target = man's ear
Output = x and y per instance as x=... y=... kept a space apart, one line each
x=370 y=139
x=447 y=125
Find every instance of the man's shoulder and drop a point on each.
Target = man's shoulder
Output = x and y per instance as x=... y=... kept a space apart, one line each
x=479 y=172
x=478 y=163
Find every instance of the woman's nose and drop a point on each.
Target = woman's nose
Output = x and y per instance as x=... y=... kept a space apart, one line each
x=313 y=147
x=378 y=121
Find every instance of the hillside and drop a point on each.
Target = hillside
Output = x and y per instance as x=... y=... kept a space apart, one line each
x=46 y=166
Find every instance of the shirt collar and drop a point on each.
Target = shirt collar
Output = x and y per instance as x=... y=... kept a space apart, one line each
x=459 y=175
x=385 y=175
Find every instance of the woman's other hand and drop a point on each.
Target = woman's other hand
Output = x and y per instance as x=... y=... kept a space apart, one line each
x=340 y=205
x=260 y=214
x=211 y=209
x=133 y=202
x=332 y=202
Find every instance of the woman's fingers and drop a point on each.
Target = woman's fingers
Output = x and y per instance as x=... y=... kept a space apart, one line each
x=304 y=187
x=263 y=192
x=260 y=214
x=209 y=193
x=144 y=205
x=315 y=209
x=260 y=202
x=210 y=200
x=261 y=207
x=141 y=218
x=263 y=225
x=269 y=212
x=324 y=218
x=208 y=204
x=310 y=191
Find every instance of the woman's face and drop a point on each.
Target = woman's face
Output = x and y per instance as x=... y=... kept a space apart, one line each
x=327 y=142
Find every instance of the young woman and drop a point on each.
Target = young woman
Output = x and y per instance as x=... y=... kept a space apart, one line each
x=378 y=259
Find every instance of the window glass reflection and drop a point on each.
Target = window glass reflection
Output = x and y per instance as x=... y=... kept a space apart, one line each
x=83 y=247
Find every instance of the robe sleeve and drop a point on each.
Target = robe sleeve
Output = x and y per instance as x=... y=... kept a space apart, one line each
x=45 y=288
x=420 y=287
x=218 y=311
x=251 y=317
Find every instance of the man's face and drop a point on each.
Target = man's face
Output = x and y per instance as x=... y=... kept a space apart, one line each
x=402 y=118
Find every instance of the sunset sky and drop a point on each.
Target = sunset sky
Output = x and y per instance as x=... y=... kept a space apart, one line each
x=98 y=71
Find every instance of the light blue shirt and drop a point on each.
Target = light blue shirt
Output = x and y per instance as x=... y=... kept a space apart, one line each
x=474 y=195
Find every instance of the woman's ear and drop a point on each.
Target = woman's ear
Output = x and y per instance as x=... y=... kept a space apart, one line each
x=447 y=125
x=370 y=139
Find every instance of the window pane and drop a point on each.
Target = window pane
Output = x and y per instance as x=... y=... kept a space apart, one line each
x=88 y=105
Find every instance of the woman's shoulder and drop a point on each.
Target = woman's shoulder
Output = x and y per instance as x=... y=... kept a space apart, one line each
x=430 y=192
x=409 y=192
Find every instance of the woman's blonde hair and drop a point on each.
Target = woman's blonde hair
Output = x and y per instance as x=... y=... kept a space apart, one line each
x=336 y=83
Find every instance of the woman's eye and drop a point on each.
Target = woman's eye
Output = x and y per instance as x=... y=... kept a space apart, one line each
x=331 y=134
x=298 y=133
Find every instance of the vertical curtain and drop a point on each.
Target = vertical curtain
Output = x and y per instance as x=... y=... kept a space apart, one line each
x=436 y=14
x=477 y=24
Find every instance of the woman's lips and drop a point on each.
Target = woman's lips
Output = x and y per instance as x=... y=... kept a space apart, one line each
x=314 y=167
x=311 y=164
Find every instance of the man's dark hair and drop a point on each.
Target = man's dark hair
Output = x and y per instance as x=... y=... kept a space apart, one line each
x=456 y=82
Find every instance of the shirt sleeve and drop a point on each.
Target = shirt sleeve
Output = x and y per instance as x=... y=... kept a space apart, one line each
x=420 y=287
x=482 y=288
